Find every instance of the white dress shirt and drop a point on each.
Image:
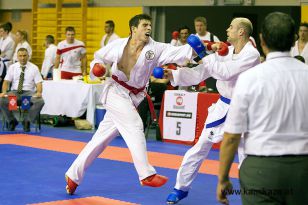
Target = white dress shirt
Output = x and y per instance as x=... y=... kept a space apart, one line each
x=31 y=78
x=269 y=105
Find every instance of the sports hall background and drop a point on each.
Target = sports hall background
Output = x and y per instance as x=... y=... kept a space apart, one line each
x=32 y=166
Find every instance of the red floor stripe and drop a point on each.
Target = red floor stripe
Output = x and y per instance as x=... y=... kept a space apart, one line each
x=113 y=153
x=93 y=200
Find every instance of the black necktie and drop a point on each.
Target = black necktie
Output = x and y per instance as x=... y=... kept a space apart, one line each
x=21 y=79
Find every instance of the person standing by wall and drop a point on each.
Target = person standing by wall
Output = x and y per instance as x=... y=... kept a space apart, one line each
x=301 y=45
x=7 y=46
x=71 y=56
x=50 y=57
x=22 y=42
x=110 y=35
x=200 y=23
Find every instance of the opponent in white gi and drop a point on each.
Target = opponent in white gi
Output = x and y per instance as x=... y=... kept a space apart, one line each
x=226 y=69
x=132 y=60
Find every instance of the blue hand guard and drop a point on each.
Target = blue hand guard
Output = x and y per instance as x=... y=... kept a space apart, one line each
x=197 y=45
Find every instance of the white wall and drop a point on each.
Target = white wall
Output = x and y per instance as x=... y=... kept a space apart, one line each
x=15 y=4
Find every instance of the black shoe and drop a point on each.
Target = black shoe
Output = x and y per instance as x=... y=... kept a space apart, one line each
x=26 y=126
x=12 y=125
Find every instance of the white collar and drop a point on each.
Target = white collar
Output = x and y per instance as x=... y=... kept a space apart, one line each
x=277 y=54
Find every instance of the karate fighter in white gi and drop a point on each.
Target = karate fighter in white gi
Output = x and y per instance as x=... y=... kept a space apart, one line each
x=132 y=60
x=226 y=69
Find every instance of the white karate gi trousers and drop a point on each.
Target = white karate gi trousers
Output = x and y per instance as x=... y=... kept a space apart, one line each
x=199 y=152
x=121 y=117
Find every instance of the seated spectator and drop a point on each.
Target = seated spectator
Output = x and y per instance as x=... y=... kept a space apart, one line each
x=50 y=57
x=22 y=42
x=26 y=81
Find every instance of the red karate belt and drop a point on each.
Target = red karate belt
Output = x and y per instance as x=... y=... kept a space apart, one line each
x=135 y=91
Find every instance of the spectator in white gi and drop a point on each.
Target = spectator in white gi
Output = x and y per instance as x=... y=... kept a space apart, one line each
x=301 y=45
x=50 y=57
x=22 y=42
x=110 y=35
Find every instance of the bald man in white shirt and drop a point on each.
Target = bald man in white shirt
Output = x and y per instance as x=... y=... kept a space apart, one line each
x=269 y=105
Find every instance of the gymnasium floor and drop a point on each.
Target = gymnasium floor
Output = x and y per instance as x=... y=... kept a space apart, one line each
x=33 y=167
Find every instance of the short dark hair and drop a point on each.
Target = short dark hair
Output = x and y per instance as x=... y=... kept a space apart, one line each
x=22 y=49
x=6 y=27
x=70 y=28
x=201 y=19
x=184 y=27
x=278 y=31
x=111 y=23
x=10 y=26
x=136 y=20
x=303 y=24
x=50 y=39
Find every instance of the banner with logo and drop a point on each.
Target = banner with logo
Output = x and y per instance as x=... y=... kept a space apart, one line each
x=25 y=102
x=12 y=102
x=180 y=110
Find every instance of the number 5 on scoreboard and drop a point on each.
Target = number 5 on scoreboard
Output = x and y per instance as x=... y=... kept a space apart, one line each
x=178 y=128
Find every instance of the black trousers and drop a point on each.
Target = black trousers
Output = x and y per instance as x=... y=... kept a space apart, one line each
x=274 y=180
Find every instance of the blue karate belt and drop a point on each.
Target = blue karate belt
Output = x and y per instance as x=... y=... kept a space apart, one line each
x=4 y=67
x=222 y=120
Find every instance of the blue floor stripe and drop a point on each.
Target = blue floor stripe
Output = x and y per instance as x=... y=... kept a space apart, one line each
x=30 y=175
